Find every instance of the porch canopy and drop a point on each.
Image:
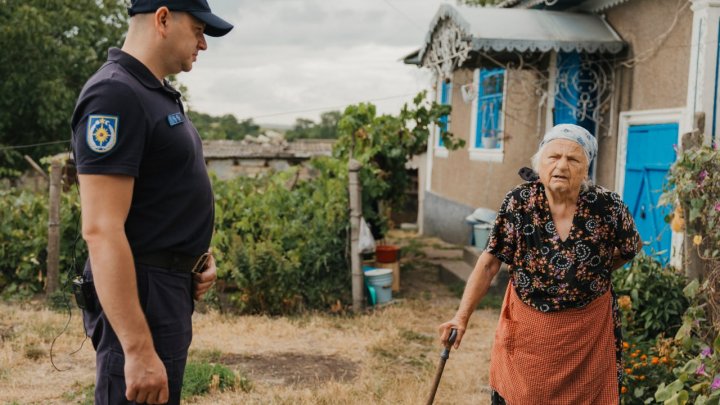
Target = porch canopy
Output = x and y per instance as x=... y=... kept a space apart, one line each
x=499 y=30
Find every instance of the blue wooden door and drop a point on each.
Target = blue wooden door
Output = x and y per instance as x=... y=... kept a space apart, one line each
x=650 y=153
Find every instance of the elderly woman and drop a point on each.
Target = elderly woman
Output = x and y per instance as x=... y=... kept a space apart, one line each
x=558 y=340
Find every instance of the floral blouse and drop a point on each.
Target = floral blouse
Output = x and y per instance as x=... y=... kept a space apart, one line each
x=550 y=274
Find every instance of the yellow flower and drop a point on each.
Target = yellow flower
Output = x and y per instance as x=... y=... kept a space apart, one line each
x=625 y=302
x=678 y=223
x=697 y=240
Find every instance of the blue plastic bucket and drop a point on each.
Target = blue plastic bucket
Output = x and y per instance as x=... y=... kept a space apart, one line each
x=381 y=281
x=482 y=233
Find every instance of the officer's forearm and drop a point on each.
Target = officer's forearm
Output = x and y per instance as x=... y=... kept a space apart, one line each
x=114 y=276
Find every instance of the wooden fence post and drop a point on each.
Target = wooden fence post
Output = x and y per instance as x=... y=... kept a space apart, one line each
x=53 y=247
x=355 y=214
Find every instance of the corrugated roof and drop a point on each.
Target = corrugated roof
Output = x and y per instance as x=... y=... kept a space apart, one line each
x=501 y=29
x=595 y=6
x=306 y=148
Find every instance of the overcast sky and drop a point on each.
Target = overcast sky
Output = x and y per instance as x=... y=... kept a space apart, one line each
x=311 y=56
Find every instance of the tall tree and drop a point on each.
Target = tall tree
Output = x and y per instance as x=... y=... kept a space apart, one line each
x=307 y=129
x=223 y=127
x=49 y=49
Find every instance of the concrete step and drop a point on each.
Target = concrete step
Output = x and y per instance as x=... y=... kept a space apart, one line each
x=453 y=271
x=471 y=254
x=456 y=271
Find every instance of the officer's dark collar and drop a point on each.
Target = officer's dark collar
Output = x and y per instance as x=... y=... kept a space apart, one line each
x=135 y=67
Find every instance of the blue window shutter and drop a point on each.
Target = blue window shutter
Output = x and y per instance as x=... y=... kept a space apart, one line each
x=489 y=107
x=567 y=95
x=445 y=99
x=574 y=78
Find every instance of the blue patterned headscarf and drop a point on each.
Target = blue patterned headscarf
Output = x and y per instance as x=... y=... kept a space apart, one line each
x=576 y=134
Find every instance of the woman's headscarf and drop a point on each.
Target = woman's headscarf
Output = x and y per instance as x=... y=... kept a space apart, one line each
x=576 y=134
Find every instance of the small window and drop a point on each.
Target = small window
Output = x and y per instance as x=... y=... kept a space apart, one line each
x=489 y=119
x=445 y=98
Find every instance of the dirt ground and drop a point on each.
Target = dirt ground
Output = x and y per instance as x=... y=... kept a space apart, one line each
x=384 y=356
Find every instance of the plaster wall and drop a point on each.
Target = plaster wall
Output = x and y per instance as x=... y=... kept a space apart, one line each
x=659 y=78
x=484 y=184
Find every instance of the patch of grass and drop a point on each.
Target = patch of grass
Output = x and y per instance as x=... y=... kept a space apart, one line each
x=46 y=330
x=203 y=377
x=59 y=301
x=81 y=394
x=34 y=352
x=206 y=356
x=413 y=248
x=404 y=352
x=457 y=289
x=440 y=246
x=407 y=266
x=492 y=300
x=413 y=336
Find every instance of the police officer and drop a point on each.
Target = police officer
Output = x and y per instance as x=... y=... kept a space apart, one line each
x=147 y=203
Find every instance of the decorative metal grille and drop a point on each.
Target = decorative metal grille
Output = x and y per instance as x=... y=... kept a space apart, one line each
x=585 y=87
x=448 y=50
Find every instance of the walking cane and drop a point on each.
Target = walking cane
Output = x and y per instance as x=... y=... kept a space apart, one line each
x=443 y=358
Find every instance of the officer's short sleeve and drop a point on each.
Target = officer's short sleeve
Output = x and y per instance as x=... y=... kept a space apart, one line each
x=109 y=130
x=502 y=242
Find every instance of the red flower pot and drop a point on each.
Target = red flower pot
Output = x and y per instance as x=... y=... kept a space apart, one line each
x=387 y=253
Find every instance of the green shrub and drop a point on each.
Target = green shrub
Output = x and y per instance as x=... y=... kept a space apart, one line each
x=694 y=353
x=383 y=144
x=23 y=240
x=656 y=294
x=281 y=242
x=201 y=378
x=647 y=365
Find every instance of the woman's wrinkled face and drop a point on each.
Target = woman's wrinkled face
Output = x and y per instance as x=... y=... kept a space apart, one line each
x=563 y=166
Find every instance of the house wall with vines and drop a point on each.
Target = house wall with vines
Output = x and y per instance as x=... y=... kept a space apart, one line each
x=659 y=67
x=482 y=183
x=654 y=74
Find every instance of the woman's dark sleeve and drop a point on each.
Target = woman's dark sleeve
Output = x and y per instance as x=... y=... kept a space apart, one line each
x=502 y=242
x=627 y=237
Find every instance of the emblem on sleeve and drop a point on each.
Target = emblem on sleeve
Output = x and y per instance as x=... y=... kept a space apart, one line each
x=102 y=132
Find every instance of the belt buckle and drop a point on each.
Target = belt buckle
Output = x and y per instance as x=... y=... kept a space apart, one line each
x=201 y=262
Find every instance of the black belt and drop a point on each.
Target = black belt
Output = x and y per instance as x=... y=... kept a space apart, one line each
x=171 y=261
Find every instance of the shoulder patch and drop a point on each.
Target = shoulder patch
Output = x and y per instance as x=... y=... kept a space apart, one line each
x=101 y=134
x=175 y=119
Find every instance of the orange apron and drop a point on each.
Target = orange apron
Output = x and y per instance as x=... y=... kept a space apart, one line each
x=563 y=357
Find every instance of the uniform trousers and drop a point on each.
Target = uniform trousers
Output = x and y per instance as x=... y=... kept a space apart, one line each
x=167 y=302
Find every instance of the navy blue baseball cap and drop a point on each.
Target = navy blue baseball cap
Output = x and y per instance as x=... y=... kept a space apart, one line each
x=214 y=25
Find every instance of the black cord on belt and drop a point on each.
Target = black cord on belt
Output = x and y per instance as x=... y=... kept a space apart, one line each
x=74 y=271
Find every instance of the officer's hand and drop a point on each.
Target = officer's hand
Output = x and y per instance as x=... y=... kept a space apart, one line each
x=205 y=280
x=146 y=379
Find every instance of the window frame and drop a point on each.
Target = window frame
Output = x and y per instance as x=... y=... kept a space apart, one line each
x=476 y=151
x=443 y=96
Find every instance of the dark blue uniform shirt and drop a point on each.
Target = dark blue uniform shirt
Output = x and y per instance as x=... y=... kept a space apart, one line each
x=127 y=122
